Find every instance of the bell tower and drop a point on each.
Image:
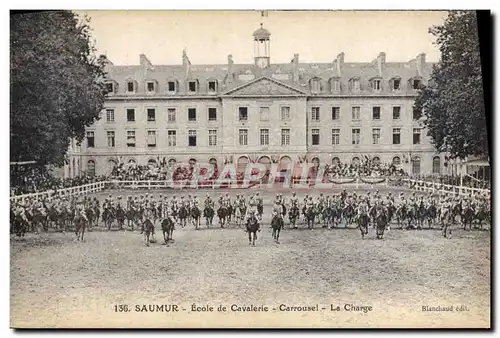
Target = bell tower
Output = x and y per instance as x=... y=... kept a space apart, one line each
x=261 y=41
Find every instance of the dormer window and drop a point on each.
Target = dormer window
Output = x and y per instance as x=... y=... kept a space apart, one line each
x=335 y=85
x=130 y=86
x=110 y=87
x=355 y=85
x=192 y=86
x=315 y=85
x=172 y=86
x=395 y=84
x=212 y=86
x=376 y=84
x=150 y=86
x=416 y=84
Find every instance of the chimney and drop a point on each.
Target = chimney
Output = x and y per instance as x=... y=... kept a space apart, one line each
x=185 y=62
x=104 y=60
x=421 y=63
x=295 y=62
x=230 y=69
x=144 y=61
x=381 y=63
x=340 y=63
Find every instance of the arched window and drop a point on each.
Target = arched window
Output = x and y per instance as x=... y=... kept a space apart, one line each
x=395 y=83
x=285 y=162
x=436 y=165
x=192 y=161
x=415 y=165
x=335 y=85
x=396 y=160
x=132 y=161
x=376 y=84
x=91 y=168
x=172 y=162
x=242 y=163
x=315 y=161
x=152 y=163
x=355 y=160
x=265 y=161
x=335 y=161
x=376 y=160
x=111 y=165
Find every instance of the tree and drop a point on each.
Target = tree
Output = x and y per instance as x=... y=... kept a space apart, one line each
x=56 y=87
x=453 y=103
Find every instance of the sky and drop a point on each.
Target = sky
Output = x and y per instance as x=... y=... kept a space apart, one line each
x=209 y=36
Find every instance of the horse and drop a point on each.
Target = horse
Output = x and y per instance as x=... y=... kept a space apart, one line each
x=252 y=227
x=467 y=217
x=381 y=221
x=97 y=213
x=277 y=223
x=456 y=210
x=208 y=213
x=335 y=214
x=481 y=215
x=293 y=215
x=420 y=214
x=401 y=215
x=195 y=216
x=239 y=215
x=363 y=221
x=310 y=215
x=430 y=215
x=448 y=219
x=149 y=230
x=80 y=225
x=89 y=212
x=20 y=226
x=167 y=226
x=348 y=214
x=183 y=214
x=260 y=211
x=130 y=216
x=120 y=217
x=107 y=217
x=223 y=214
x=54 y=218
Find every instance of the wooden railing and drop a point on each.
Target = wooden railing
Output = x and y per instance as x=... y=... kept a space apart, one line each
x=444 y=188
x=73 y=191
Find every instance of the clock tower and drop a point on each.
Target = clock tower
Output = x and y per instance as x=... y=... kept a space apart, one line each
x=261 y=43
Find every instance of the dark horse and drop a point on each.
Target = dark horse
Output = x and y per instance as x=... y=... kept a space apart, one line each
x=183 y=214
x=149 y=230
x=80 y=225
x=310 y=215
x=467 y=217
x=195 y=216
x=348 y=214
x=120 y=217
x=277 y=224
x=293 y=215
x=381 y=222
x=208 y=213
x=252 y=228
x=430 y=215
x=363 y=221
x=167 y=226
x=223 y=214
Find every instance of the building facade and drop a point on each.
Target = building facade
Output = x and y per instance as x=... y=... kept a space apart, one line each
x=265 y=112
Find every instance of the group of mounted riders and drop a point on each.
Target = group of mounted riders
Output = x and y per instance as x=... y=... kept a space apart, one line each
x=329 y=211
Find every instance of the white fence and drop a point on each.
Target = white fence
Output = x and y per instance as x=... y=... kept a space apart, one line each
x=445 y=188
x=73 y=191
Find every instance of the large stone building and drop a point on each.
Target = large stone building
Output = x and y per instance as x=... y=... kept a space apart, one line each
x=264 y=112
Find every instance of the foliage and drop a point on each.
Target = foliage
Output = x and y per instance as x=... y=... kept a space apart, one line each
x=453 y=103
x=56 y=84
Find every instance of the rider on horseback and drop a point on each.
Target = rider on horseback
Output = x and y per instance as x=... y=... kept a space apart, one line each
x=251 y=211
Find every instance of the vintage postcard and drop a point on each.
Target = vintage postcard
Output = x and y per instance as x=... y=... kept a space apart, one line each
x=249 y=169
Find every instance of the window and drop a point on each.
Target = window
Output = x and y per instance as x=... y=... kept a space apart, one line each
x=131 y=138
x=356 y=133
x=172 y=138
x=110 y=88
x=90 y=139
x=171 y=87
x=264 y=113
x=335 y=84
x=335 y=161
x=191 y=114
x=396 y=84
x=264 y=137
x=243 y=137
x=151 y=115
x=416 y=135
x=212 y=86
x=396 y=136
x=376 y=160
x=335 y=113
x=111 y=139
x=285 y=137
x=415 y=165
x=315 y=85
x=355 y=113
x=396 y=113
x=416 y=84
x=335 y=136
x=315 y=137
x=151 y=86
x=130 y=115
x=376 y=113
x=130 y=86
x=285 y=113
x=415 y=115
x=192 y=138
x=212 y=137
x=171 y=114
x=110 y=115
x=376 y=135
x=212 y=114
x=91 y=168
x=151 y=138
x=396 y=160
x=376 y=84
x=192 y=86
x=436 y=165
x=243 y=113
x=315 y=114
x=355 y=85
